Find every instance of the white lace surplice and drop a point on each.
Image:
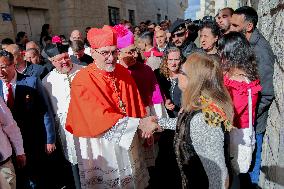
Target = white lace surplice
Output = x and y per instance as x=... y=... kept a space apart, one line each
x=113 y=160
x=57 y=86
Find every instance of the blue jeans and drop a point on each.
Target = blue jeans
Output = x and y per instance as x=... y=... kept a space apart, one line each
x=254 y=174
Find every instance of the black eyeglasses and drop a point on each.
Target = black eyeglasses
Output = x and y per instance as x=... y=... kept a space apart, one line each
x=181 y=34
x=108 y=53
x=5 y=53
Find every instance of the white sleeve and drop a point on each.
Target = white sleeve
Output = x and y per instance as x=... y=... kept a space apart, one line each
x=158 y=110
x=168 y=123
x=122 y=132
x=11 y=129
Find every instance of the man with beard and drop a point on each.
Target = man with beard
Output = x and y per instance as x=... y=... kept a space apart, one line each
x=245 y=20
x=142 y=74
x=180 y=38
x=147 y=85
x=105 y=112
x=223 y=19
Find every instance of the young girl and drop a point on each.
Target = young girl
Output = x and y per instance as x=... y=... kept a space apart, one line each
x=241 y=80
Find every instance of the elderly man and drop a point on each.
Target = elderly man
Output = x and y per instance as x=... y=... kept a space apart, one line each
x=105 y=112
x=24 y=67
x=161 y=40
x=57 y=84
x=77 y=35
x=245 y=20
x=224 y=19
x=30 y=107
x=11 y=138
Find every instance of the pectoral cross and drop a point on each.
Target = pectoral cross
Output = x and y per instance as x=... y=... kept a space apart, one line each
x=122 y=106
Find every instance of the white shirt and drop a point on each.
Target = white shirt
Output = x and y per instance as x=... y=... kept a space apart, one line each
x=86 y=51
x=5 y=88
x=58 y=88
x=10 y=134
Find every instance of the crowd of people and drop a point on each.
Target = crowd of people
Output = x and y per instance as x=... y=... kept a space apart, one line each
x=137 y=106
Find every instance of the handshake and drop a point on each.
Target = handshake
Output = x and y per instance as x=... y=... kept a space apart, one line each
x=148 y=126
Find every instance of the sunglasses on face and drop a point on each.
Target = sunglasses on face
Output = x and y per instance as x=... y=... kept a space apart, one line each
x=181 y=34
x=5 y=53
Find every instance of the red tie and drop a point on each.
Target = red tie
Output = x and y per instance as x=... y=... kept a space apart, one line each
x=10 y=97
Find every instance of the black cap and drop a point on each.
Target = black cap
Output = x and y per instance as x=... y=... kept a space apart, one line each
x=177 y=25
x=53 y=50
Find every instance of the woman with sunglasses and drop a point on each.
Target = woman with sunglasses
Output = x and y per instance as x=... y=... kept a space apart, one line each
x=201 y=129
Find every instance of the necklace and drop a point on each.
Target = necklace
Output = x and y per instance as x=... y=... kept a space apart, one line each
x=113 y=80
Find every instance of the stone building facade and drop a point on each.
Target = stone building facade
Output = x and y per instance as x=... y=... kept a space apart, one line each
x=271 y=17
x=211 y=7
x=66 y=15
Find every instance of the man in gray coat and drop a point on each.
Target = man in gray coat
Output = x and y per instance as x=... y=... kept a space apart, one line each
x=245 y=20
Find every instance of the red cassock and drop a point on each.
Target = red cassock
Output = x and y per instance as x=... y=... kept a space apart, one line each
x=95 y=100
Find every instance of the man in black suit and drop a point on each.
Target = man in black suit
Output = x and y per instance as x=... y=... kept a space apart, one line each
x=30 y=107
x=24 y=67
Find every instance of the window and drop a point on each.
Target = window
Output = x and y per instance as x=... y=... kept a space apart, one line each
x=158 y=18
x=131 y=17
x=166 y=17
x=113 y=15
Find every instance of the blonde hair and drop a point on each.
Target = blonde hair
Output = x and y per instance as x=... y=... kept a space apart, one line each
x=205 y=78
x=164 y=70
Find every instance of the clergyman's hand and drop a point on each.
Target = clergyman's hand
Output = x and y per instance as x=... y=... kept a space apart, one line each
x=148 y=126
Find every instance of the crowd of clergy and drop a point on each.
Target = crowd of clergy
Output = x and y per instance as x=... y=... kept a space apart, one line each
x=176 y=104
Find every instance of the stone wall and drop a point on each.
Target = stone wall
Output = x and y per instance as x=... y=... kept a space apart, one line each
x=67 y=15
x=271 y=23
x=6 y=27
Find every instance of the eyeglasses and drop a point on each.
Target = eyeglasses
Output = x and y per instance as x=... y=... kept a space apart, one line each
x=108 y=53
x=131 y=51
x=5 y=53
x=181 y=34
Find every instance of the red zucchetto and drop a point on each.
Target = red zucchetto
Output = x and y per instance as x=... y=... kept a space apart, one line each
x=103 y=37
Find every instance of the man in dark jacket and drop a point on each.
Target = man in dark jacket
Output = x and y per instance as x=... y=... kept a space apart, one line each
x=245 y=20
x=180 y=38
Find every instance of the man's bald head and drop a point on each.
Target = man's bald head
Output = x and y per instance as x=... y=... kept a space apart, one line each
x=76 y=35
x=32 y=45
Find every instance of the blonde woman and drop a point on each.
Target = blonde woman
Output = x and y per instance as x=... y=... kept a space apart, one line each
x=202 y=127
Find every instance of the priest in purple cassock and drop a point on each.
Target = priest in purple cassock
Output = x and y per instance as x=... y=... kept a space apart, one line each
x=145 y=80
